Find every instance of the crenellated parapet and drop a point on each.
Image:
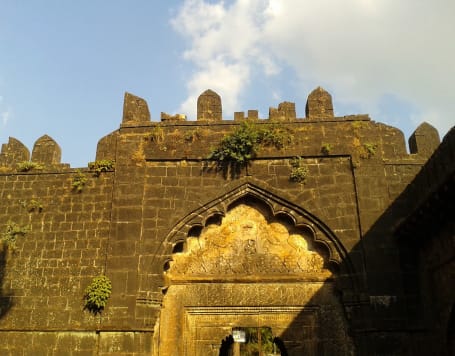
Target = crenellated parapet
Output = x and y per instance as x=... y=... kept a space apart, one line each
x=46 y=151
x=251 y=115
x=209 y=106
x=165 y=117
x=13 y=153
x=319 y=105
x=424 y=140
x=284 y=112
x=135 y=110
x=46 y=154
x=107 y=147
x=320 y=132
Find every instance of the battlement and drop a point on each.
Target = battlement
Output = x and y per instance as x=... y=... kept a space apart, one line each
x=46 y=154
x=175 y=137
x=319 y=107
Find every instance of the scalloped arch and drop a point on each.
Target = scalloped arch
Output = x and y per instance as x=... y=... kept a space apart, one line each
x=277 y=205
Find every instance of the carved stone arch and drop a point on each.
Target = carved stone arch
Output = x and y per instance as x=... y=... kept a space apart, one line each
x=279 y=207
x=260 y=267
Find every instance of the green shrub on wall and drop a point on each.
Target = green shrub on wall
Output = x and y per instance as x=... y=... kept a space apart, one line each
x=370 y=148
x=298 y=173
x=326 y=148
x=12 y=232
x=239 y=147
x=79 y=181
x=97 y=294
x=101 y=166
x=27 y=166
x=34 y=205
x=192 y=135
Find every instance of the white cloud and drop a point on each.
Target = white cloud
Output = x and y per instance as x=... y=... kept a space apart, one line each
x=225 y=45
x=222 y=78
x=5 y=116
x=360 y=50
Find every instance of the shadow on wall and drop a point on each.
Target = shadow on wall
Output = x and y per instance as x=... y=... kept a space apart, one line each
x=6 y=299
x=405 y=306
x=390 y=292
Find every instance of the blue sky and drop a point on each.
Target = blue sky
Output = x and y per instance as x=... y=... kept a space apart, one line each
x=65 y=65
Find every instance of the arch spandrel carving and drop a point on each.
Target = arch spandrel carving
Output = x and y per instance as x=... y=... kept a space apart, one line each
x=247 y=245
x=278 y=207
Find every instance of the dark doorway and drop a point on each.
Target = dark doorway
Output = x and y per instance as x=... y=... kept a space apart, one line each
x=258 y=342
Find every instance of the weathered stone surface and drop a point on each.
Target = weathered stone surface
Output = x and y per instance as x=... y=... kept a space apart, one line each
x=206 y=313
x=424 y=140
x=245 y=244
x=172 y=118
x=135 y=109
x=106 y=148
x=13 y=152
x=209 y=106
x=284 y=112
x=239 y=115
x=253 y=114
x=319 y=105
x=46 y=151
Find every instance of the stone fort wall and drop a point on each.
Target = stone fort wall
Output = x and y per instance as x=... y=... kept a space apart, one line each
x=128 y=221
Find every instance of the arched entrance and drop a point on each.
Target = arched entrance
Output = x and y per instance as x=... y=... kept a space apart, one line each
x=250 y=269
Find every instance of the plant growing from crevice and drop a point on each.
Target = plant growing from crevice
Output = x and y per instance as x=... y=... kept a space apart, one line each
x=239 y=147
x=138 y=155
x=157 y=134
x=191 y=136
x=79 y=181
x=370 y=148
x=367 y=150
x=356 y=125
x=12 y=232
x=34 y=205
x=97 y=294
x=299 y=173
x=275 y=135
x=326 y=148
x=104 y=165
x=26 y=166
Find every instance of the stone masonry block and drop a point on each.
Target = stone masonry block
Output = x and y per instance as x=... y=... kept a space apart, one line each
x=135 y=109
x=319 y=105
x=13 y=152
x=424 y=140
x=209 y=106
x=46 y=151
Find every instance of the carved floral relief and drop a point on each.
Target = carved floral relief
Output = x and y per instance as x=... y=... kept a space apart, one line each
x=246 y=243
